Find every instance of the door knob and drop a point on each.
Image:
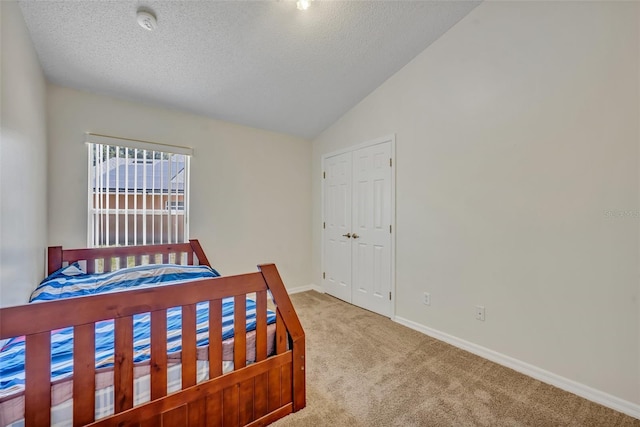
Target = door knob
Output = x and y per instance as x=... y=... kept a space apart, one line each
x=355 y=236
x=347 y=235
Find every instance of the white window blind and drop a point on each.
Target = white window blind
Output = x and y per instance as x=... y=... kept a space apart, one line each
x=138 y=192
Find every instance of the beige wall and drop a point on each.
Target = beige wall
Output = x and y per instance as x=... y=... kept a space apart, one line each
x=250 y=189
x=23 y=154
x=517 y=185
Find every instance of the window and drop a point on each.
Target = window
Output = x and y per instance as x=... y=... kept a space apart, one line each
x=174 y=205
x=138 y=192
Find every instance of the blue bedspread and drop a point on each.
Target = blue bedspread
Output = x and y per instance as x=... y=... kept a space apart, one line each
x=71 y=281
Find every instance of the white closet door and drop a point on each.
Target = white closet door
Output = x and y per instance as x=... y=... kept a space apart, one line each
x=371 y=233
x=358 y=208
x=337 y=233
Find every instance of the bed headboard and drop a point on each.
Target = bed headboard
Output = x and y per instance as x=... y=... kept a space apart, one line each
x=100 y=260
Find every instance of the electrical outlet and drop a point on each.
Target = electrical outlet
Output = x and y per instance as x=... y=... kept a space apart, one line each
x=480 y=312
x=426 y=298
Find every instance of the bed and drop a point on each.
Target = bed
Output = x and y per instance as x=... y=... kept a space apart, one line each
x=171 y=343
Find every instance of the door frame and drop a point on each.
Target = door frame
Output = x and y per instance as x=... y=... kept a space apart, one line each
x=389 y=138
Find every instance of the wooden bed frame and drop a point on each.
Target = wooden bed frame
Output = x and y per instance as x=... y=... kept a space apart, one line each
x=255 y=394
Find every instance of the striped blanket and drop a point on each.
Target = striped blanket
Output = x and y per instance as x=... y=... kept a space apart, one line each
x=72 y=281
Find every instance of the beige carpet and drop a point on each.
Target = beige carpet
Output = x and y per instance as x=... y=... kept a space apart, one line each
x=365 y=370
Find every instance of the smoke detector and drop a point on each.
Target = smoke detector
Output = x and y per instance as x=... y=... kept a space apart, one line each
x=147 y=20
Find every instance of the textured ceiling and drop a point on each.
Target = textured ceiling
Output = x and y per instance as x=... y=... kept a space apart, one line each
x=263 y=64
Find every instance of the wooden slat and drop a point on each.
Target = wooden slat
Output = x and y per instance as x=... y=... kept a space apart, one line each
x=190 y=258
x=197 y=249
x=158 y=354
x=106 y=265
x=84 y=376
x=91 y=265
x=54 y=259
x=261 y=398
x=190 y=394
x=165 y=258
x=240 y=332
x=197 y=413
x=230 y=409
x=215 y=338
x=261 y=325
x=123 y=369
x=22 y=320
x=281 y=334
x=214 y=410
x=282 y=300
x=138 y=259
x=123 y=262
x=274 y=389
x=299 y=375
x=287 y=385
x=175 y=417
x=189 y=356
x=37 y=395
x=152 y=258
x=245 y=396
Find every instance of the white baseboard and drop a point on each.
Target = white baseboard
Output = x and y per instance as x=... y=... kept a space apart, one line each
x=566 y=384
x=311 y=287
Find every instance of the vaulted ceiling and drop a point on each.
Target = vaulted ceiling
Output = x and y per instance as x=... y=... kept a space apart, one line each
x=263 y=64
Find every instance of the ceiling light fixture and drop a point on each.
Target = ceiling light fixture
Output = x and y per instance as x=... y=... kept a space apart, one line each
x=303 y=4
x=147 y=20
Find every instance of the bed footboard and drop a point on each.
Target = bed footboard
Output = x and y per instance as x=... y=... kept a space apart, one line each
x=254 y=394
